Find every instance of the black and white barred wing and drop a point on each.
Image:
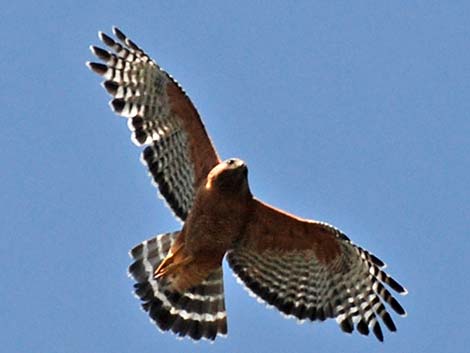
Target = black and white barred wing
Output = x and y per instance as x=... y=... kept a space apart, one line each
x=178 y=152
x=197 y=313
x=311 y=271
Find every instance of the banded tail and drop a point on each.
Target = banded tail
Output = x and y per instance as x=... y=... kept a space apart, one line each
x=198 y=313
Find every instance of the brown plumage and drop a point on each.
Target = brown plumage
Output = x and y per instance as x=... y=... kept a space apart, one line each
x=307 y=269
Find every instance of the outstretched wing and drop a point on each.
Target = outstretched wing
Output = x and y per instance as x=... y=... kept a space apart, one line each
x=310 y=270
x=178 y=153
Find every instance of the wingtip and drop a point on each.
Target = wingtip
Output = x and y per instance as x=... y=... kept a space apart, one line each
x=117 y=105
x=346 y=325
x=362 y=327
x=106 y=39
x=125 y=39
x=399 y=288
x=378 y=332
x=396 y=306
x=111 y=87
x=98 y=68
x=118 y=33
x=378 y=261
x=100 y=53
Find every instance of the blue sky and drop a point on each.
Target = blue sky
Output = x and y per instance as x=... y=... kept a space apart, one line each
x=354 y=114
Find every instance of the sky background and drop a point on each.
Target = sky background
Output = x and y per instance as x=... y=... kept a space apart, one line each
x=354 y=113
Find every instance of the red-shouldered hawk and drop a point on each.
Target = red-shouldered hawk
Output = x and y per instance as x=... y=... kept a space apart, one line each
x=307 y=269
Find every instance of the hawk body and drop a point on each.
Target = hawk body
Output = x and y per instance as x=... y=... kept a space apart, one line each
x=214 y=225
x=307 y=269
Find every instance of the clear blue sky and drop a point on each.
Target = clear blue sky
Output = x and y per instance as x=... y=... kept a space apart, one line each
x=355 y=113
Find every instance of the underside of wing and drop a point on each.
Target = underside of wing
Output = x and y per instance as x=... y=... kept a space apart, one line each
x=312 y=271
x=178 y=151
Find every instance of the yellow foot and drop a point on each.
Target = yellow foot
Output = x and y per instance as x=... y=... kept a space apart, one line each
x=170 y=265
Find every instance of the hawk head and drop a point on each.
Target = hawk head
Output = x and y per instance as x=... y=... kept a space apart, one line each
x=229 y=176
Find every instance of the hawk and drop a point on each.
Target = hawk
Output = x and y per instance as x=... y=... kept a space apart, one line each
x=307 y=269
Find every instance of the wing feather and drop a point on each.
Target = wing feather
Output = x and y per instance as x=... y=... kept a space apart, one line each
x=311 y=270
x=178 y=151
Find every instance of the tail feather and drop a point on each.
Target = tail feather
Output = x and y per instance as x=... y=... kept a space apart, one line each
x=198 y=313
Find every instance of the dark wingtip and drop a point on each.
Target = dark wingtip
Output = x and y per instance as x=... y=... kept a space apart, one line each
x=397 y=307
x=100 y=53
x=117 y=105
x=362 y=328
x=376 y=260
x=106 y=39
x=346 y=325
x=119 y=34
x=378 y=332
x=111 y=87
x=124 y=39
x=98 y=68
x=387 y=319
x=396 y=286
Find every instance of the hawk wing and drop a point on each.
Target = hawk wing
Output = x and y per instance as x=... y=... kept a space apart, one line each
x=179 y=154
x=310 y=270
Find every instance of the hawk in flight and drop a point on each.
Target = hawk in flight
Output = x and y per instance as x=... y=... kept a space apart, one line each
x=306 y=269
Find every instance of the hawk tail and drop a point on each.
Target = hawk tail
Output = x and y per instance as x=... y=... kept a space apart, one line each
x=198 y=313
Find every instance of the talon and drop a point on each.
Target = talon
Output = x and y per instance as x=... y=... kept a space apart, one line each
x=163 y=271
x=171 y=264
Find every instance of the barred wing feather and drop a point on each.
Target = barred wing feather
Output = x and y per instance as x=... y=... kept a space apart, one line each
x=178 y=152
x=312 y=271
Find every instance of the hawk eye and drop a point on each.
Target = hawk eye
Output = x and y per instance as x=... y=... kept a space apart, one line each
x=231 y=161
